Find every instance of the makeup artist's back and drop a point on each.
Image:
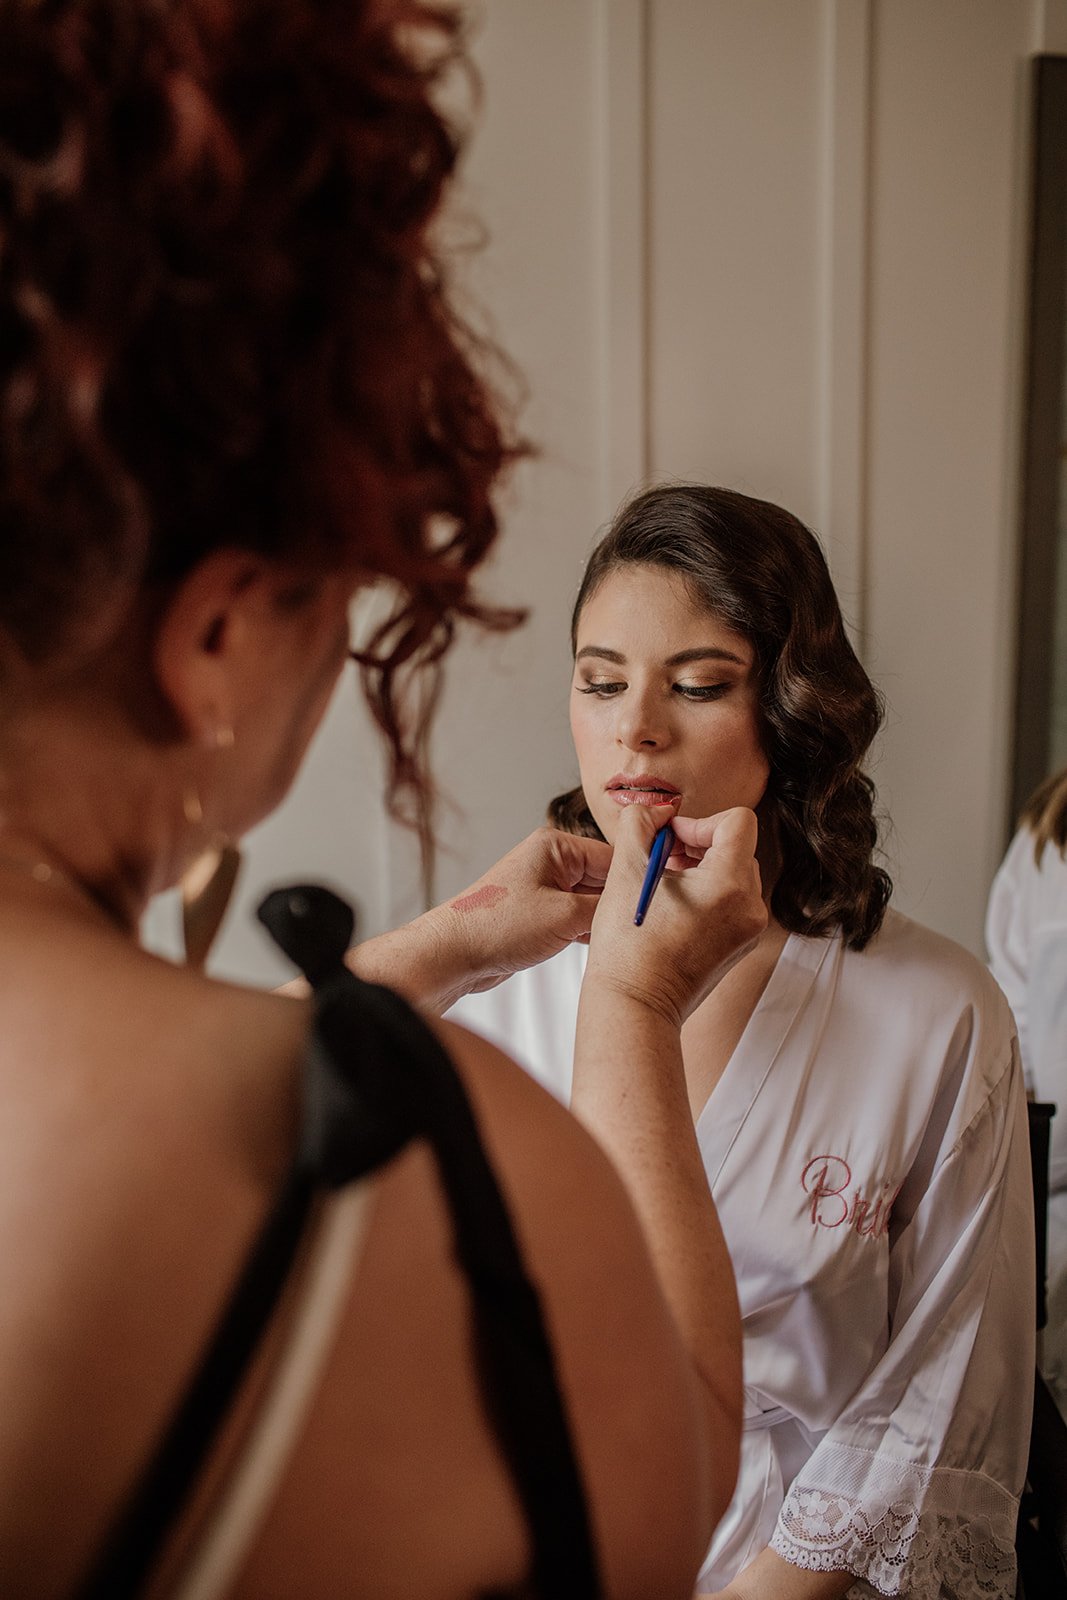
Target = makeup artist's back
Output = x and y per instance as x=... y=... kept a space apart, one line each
x=148 y=1122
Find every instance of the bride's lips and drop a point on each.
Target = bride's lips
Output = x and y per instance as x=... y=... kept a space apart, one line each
x=645 y=789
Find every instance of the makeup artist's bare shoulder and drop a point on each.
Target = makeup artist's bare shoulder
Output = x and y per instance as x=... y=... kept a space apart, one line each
x=86 y=1010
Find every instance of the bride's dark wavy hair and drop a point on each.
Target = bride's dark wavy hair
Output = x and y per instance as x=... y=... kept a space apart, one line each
x=224 y=321
x=760 y=569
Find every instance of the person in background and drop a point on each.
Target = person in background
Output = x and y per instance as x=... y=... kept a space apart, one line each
x=1026 y=937
x=255 y=1338
x=854 y=1080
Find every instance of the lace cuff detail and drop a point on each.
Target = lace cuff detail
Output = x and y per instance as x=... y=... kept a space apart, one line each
x=929 y=1534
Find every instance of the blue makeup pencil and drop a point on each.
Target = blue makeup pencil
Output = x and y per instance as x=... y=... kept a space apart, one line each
x=657 y=864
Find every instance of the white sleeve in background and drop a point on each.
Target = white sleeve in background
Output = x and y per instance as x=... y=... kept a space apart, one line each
x=1026 y=935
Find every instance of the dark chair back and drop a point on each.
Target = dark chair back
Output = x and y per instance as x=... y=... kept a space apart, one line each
x=1040 y=1114
x=1041 y=1539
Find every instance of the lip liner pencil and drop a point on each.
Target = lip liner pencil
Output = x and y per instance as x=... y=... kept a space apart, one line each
x=657 y=863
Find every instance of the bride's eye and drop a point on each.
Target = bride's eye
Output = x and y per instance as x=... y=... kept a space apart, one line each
x=600 y=687
x=701 y=691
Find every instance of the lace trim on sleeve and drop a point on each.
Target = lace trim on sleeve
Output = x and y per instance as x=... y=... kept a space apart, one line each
x=902 y=1529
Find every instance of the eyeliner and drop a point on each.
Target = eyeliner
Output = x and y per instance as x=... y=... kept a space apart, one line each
x=657 y=864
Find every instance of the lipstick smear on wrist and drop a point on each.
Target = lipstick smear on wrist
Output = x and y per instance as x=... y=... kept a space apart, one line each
x=490 y=894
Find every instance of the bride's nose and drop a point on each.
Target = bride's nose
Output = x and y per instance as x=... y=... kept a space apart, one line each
x=642 y=724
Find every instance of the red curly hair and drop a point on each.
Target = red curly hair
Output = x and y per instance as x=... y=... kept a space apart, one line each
x=224 y=322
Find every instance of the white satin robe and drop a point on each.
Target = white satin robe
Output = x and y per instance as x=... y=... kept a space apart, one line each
x=867 y=1149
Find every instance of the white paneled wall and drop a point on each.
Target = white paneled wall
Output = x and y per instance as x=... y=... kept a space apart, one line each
x=772 y=243
x=945 y=322
x=835 y=249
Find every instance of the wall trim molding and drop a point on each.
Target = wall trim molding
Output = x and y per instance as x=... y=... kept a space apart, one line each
x=842 y=379
x=622 y=162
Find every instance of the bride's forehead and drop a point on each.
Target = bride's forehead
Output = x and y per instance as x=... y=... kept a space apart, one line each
x=643 y=598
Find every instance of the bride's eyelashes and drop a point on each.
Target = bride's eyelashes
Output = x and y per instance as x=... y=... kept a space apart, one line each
x=688 y=691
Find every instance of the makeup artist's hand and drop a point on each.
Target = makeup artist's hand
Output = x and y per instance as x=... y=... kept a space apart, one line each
x=538 y=898
x=706 y=914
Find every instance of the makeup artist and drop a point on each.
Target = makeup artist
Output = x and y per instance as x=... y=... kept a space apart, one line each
x=265 y=1327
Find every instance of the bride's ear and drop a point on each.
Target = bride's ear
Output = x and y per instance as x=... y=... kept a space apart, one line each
x=208 y=638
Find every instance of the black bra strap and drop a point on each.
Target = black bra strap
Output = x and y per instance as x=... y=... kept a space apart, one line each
x=516 y=1366
x=403 y=1084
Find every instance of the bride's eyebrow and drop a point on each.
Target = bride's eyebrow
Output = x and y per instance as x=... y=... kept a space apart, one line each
x=602 y=653
x=705 y=653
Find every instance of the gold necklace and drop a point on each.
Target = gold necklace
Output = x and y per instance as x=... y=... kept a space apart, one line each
x=206 y=889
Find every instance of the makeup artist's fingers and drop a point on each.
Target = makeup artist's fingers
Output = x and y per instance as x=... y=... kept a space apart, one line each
x=701 y=921
x=583 y=863
x=730 y=832
x=636 y=829
x=724 y=843
x=721 y=843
